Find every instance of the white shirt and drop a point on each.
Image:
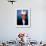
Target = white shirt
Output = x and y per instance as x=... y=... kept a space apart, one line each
x=23 y=22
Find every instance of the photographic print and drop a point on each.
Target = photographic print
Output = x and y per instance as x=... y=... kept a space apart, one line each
x=23 y=18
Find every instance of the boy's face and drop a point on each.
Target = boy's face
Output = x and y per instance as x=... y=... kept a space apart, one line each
x=23 y=16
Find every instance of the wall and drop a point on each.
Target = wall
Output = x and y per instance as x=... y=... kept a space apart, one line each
x=8 y=29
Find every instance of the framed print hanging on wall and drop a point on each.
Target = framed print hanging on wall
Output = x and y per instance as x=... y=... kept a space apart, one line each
x=23 y=17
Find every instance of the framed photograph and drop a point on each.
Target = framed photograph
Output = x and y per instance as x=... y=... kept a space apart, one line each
x=23 y=17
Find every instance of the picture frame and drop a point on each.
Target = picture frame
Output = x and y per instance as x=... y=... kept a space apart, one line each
x=18 y=15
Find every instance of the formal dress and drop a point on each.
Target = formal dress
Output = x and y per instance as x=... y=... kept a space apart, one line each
x=22 y=22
